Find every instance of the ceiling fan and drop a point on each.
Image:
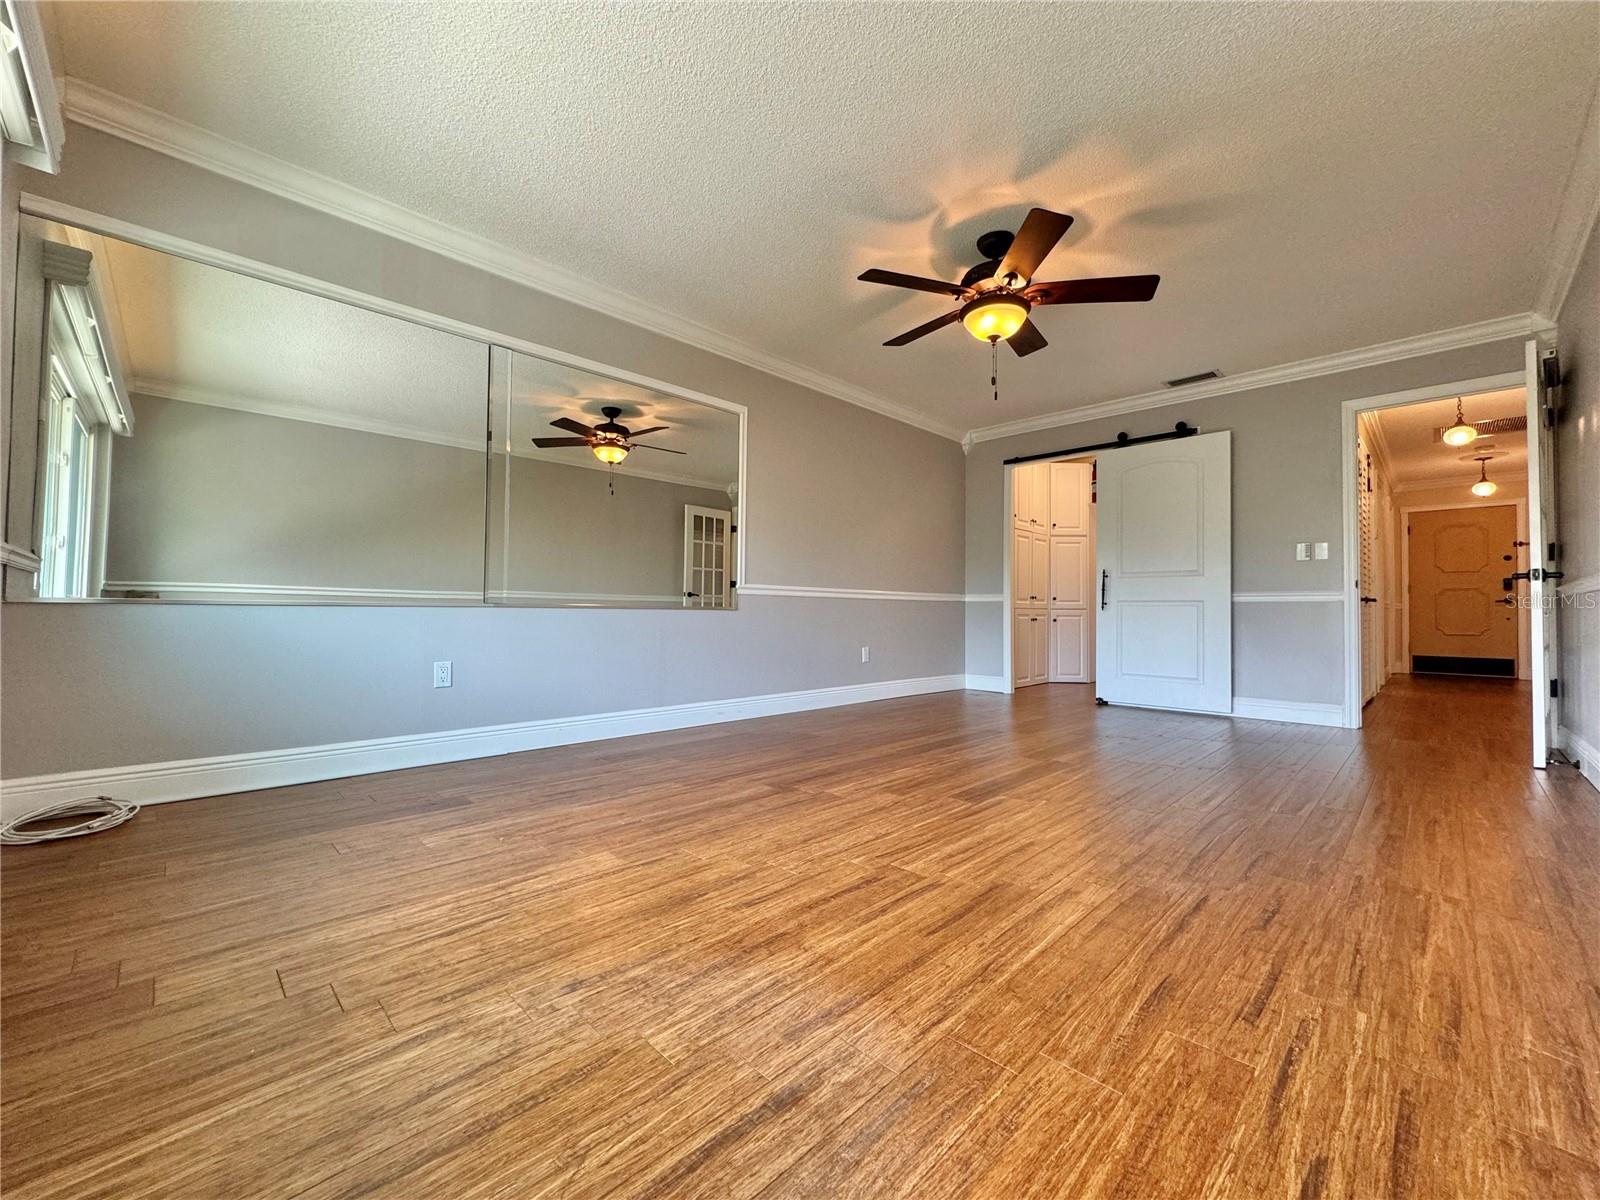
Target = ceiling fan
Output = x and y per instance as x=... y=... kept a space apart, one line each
x=609 y=441
x=998 y=294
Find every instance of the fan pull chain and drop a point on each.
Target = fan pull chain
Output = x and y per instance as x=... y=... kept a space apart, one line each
x=994 y=368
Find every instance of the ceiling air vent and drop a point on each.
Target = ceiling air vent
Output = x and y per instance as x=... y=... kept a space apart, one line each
x=1200 y=378
x=1492 y=426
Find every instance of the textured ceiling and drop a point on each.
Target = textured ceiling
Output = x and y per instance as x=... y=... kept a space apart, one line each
x=1307 y=178
x=1415 y=457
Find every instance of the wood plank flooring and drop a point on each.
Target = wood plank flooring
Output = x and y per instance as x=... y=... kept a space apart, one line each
x=961 y=945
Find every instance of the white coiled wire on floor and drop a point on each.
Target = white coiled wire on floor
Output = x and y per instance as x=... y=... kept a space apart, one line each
x=98 y=813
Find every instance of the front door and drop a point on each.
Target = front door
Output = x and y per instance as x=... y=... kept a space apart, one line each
x=1164 y=632
x=1463 y=621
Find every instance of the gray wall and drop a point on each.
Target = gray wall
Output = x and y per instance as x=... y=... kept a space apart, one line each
x=1578 y=455
x=569 y=533
x=87 y=686
x=209 y=495
x=1286 y=489
x=201 y=494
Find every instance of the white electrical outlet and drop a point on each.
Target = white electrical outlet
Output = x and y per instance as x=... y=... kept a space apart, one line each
x=441 y=674
x=1320 y=550
x=866 y=654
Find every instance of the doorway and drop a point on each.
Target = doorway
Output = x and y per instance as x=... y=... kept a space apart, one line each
x=1052 y=615
x=1136 y=583
x=1447 y=512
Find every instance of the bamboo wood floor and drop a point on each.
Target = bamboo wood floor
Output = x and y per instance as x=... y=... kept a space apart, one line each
x=961 y=945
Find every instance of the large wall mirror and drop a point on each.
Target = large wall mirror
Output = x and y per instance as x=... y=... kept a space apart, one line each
x=184 y=432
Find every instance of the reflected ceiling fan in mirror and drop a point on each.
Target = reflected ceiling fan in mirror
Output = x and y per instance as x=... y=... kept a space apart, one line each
x=998 y=294
x=608 y=441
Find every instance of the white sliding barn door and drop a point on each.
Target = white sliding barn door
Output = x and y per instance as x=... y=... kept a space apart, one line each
x=1542 y=539
x=1164 y=636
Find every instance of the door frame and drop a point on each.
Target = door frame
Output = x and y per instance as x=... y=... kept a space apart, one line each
x=1007 y=495
x=1520 y=503
x=1351 y=541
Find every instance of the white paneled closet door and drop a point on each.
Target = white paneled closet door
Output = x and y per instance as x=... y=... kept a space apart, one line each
x=1071 y=559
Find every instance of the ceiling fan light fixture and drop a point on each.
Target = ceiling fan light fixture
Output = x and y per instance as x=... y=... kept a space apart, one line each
x=610 y=451
x=990 y=316
x=1459 y=434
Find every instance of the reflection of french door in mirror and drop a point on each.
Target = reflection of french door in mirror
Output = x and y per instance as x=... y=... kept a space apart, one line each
x=707 y=555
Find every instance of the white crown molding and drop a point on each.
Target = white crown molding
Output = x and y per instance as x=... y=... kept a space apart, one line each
x=1575 y=219
x=120 y=117
x=184 y=394
x=1517 y=325
x=157 y=783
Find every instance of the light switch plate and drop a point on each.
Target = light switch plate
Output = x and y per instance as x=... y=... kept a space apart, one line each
x=1320 y=550
x=1302 y=551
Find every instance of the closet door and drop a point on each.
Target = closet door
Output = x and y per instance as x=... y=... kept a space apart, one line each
x=1039 y=570
x=1069 y=647
x=1069 y=497
x=1024 y=638
x=1039 y=637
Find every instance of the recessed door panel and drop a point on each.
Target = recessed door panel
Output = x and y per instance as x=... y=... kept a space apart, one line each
x=1069 y=647
x=1159 y=510
x=1161 y=640
x=1069 y=570
x=1069 y=497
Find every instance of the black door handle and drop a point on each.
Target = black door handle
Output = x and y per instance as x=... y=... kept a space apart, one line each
x=1369 y=599
x=1103 y=577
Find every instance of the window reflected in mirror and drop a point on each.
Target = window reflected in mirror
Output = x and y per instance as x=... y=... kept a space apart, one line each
x=206 y=435
x=604 y=491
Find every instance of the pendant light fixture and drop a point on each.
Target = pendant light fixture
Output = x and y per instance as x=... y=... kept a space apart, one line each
x=1485 y=486
x=1459 y=434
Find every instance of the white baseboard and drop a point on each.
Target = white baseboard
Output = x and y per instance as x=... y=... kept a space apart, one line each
x=1293 y=712
x=157 y=783
x=986 y=683
x=1583 y=753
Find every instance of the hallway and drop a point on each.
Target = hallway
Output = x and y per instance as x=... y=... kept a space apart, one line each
x=956 y=945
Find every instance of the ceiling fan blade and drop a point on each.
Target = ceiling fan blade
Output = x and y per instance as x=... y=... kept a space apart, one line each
x=912 y=335
x=1027 y=339
x=549 y=443
x=663 y=449
x=571 y=426
x=635 y=433
x=1038 y=236
x=1094 y=291
x=921 y=284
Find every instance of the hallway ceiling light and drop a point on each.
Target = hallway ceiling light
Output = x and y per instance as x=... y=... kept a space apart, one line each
x=1485 y=486
x=1460 y=434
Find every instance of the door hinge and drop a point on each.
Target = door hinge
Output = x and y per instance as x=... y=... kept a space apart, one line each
x=1555 y=689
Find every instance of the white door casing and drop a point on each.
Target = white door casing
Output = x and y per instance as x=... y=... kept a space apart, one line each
x=1542 y=537
x=1164 y=636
